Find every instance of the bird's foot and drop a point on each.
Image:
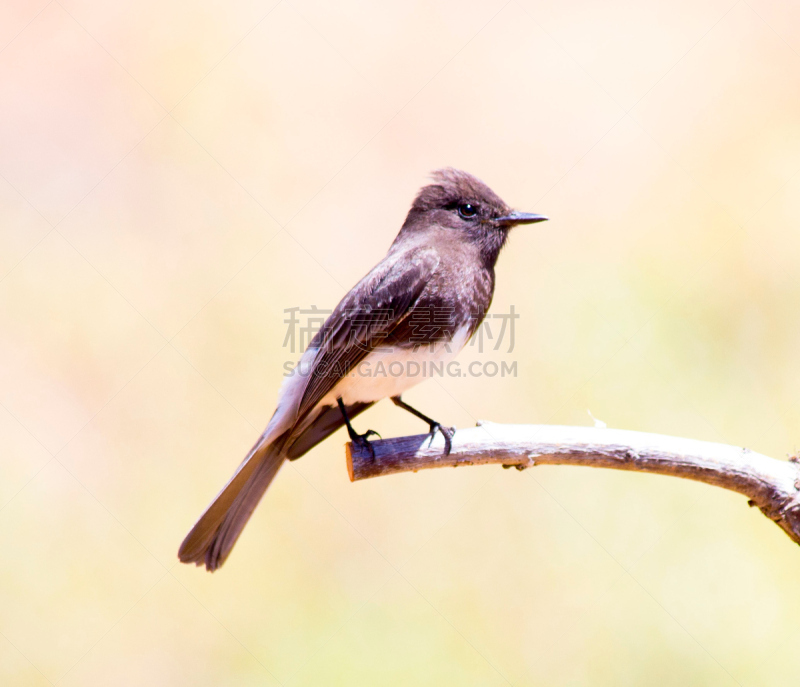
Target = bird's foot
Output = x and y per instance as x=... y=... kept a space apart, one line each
x=363 y=441
x=447 y=432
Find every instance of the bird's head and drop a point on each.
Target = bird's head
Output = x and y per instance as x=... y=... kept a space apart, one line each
x=466 y=209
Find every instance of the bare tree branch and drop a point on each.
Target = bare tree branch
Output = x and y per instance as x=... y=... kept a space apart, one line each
x=772 y=485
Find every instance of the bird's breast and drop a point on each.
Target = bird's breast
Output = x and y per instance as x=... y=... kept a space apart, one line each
x=390 y=370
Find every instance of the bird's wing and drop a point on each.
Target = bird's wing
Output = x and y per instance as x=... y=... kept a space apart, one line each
x=365 y=318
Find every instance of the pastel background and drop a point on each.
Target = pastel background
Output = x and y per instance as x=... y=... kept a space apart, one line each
x=174 y=174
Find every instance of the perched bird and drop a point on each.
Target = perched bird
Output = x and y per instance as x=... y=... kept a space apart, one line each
x=421 y=303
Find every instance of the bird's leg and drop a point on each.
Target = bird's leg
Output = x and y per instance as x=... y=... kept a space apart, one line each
x=447 y=432
x=355 y=437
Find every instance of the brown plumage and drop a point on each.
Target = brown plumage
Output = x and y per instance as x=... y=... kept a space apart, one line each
x=426 y=297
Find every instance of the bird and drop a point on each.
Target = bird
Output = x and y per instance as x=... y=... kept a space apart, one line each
x=421 y=303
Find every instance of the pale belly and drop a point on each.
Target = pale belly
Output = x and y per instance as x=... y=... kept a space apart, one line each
x=390 y=372
x=383 y=373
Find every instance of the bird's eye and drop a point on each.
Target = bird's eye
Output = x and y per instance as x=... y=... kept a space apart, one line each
x=467 y=210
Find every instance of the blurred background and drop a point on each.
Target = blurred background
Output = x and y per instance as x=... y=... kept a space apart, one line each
x=174 y=175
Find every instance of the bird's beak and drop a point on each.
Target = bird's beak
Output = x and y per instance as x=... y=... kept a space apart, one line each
x=521 y=218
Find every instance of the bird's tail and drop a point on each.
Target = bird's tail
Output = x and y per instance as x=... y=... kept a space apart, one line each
x=214 y=534
x=217 y=530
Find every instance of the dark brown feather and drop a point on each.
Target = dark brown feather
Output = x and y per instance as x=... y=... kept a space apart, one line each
x=365 y=318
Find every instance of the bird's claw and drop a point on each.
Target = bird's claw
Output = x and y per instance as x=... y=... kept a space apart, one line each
x=447 y=433
x=363 y=441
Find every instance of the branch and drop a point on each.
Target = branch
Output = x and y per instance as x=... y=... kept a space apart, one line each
x=772 y=485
